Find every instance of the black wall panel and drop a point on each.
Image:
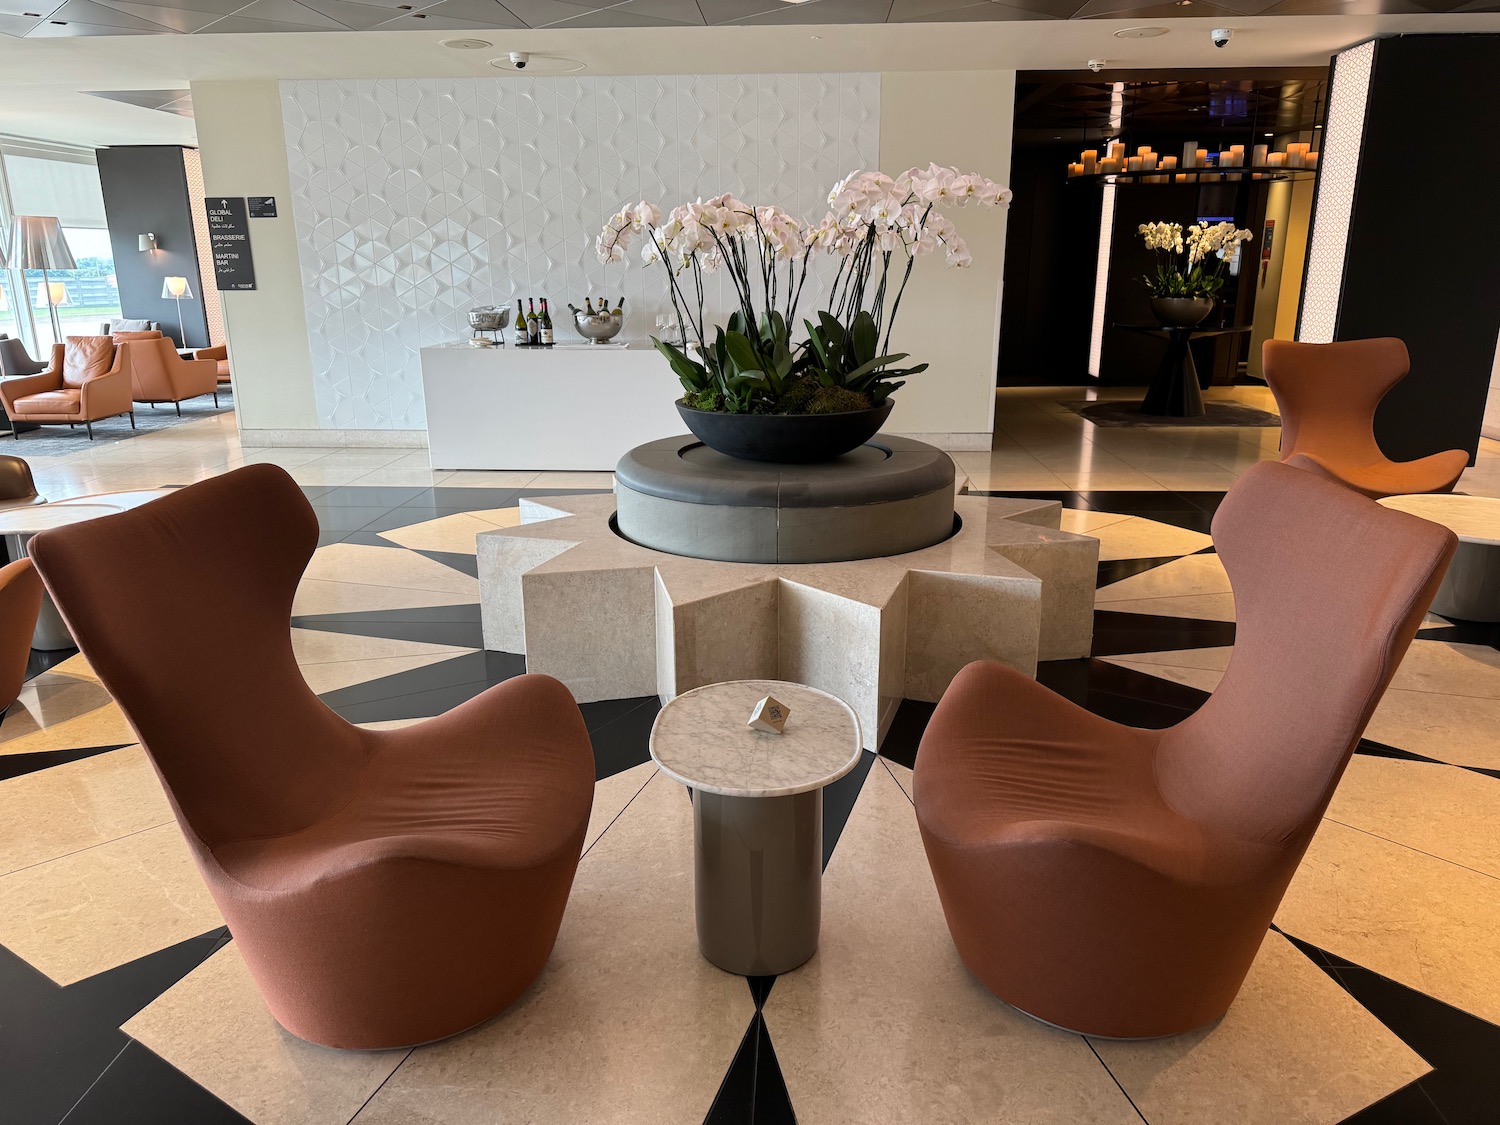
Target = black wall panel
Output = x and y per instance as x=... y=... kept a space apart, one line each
x=1420 y=263
x=145 y=191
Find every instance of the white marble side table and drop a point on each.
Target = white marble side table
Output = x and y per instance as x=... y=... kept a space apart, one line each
x=757 y=815
x=18 y=525
x=1471 y=589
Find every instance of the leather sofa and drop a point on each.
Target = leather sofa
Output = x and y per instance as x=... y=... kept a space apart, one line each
x=159 y=374
x=87 y=380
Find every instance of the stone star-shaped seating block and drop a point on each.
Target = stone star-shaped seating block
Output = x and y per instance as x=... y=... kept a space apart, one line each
x=612 y=619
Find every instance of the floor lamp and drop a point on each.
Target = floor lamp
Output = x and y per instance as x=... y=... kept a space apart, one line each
x=37 y=243
x=178 y=290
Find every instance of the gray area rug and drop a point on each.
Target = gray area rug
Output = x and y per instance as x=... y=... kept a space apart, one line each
x=1129 y=414
x=60 y=439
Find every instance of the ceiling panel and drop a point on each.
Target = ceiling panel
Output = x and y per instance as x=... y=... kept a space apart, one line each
x=17 y=25
x=177 y=19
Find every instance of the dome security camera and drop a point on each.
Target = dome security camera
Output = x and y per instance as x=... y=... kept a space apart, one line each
x=519 y=59
x=1096 y=65
x=1220 y=35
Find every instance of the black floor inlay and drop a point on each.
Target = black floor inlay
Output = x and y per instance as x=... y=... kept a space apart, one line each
x=1464 y=1086
x=456 y=625
x=422 y=692
x=905 y=734
x=838 y=803
x=754 y=1091
x=464 y=564
x=1119 y=634
x=55 y=1042
x=14 y=765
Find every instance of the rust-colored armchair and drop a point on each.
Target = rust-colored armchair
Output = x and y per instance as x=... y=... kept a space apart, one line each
x=159 y=374
x=85 y=382
x=20 y=602
x=219 y=353
x=386 y=888
x=1116 y=881
x=1327 y=395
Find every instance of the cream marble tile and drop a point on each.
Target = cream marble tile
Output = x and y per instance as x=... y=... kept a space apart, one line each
x=572 y=480
x=387 y=566
x=50 y=700
x=316 y=596
x=1136 y=538
x=885 y=1024
x=1427 y=923
x=1081 y=522
x=902 y=775
x=1206 y=607
x=475 y=478
x=1257 y=1065
x=104 y=725
x=612 y=796
x=1460 y=730
x=453 y=533
x=79 y=915
x=1451 y=669
x=214 y=1027
x=314 y=646
x=1195 y=574
x=64 y=809
x=1447 y=812
x=324 y=678
x=628 y=1023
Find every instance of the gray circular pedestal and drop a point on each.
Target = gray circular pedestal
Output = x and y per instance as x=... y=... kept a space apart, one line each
x=757 y=815
x=1471 y=588
x=890 y=496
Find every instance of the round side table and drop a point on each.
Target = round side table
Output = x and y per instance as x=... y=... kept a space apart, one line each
x=1471 y=589
x=757 y=815
x=18 y=525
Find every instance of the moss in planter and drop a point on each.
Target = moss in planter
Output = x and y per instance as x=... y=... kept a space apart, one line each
x=704 y=400
x=837 y=400
x=801 y=397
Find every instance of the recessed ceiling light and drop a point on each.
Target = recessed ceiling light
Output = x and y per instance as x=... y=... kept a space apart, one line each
x=1140 y=32
x=1184 y=3
x=467 y=44
x=1270 y=134
x=1317 y=126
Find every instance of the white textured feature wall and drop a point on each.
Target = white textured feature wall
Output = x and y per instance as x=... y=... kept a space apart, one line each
x=1338 y=169
x=416 y=199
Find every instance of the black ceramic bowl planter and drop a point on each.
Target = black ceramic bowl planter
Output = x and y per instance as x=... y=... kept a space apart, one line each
x=792 y=439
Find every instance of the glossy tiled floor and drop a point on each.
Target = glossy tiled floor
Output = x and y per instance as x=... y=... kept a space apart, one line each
x=1374 y=1000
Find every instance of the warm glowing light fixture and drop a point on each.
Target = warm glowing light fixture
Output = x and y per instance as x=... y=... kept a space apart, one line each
x=146 y=242
x=177 y=289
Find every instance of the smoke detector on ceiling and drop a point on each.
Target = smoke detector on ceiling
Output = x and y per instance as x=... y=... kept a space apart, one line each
x=1140 y=32
x=533 y=64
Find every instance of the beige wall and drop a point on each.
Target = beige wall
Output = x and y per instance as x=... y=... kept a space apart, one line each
x=951 y=318
x=243 y=147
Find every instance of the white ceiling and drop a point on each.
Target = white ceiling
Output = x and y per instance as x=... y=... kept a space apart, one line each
x=41 y=80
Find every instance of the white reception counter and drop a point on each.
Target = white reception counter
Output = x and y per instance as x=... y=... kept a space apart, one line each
x=573 y=406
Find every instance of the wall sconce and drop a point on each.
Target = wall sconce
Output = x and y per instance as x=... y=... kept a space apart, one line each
x=147 y=242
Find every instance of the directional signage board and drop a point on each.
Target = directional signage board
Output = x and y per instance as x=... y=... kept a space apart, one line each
x=229 y=238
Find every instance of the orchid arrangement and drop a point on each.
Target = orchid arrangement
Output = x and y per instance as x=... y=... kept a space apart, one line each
x=1208 y=249
x=876 y=228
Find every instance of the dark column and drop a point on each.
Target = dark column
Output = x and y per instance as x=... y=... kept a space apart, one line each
x=1411 y=269
x=145 y=191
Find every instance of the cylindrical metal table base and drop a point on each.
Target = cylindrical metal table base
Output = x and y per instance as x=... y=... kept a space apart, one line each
x=759 y=869
x=1471 y=591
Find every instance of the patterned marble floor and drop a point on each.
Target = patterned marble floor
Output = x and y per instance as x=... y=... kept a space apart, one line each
x=1375 y=998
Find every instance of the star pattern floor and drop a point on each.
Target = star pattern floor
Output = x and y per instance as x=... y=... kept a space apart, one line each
x=1374 y=1001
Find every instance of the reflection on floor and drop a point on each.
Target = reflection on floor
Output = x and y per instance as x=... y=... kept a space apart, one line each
x=1374 y=1000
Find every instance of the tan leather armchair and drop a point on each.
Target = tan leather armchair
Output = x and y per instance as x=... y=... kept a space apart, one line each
x=86 y=381
x=219 y=353
x=159 y=374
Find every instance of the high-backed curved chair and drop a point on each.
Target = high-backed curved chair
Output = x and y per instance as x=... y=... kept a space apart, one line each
x=386 y=887
x=20 y=601
x=1327 y=395
x=1117 y=881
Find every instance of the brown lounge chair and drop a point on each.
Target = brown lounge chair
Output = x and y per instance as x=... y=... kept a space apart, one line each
x=1327 y=395
x=1119 y=882
x=20 y=602
x=385 y=888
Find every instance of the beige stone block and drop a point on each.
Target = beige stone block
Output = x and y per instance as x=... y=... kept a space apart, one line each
x=955 y=619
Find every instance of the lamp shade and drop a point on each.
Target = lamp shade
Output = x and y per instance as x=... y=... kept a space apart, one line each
x=176 y=288
x=146 y=241
x=51 y=293
x=37 y=243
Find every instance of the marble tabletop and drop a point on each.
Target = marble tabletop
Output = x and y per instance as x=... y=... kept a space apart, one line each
x=701 y=739
x=1474 y=519
x=75 y=509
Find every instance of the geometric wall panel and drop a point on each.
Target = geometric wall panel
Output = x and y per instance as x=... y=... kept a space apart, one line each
x=417 y=199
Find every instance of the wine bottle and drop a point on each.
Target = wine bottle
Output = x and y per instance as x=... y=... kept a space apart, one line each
x=533 y=324
x=546 y=330
x=523 y=337
x=619 y=306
